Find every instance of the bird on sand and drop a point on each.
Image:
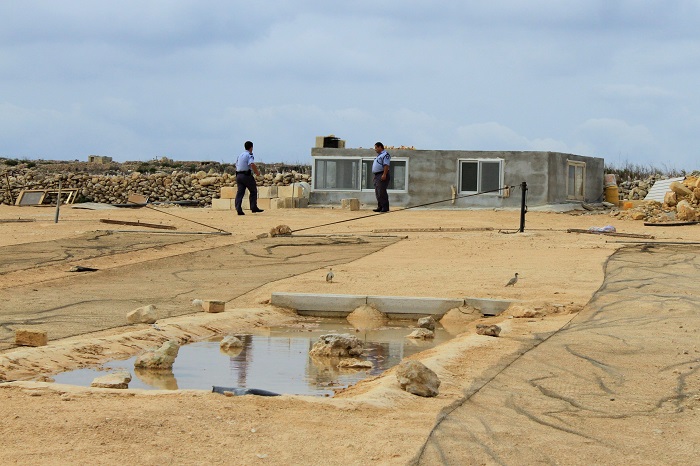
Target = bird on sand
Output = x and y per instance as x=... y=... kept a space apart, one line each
x=329 y=276
x=513 y=280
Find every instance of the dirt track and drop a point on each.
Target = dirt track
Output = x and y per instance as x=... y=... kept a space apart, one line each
x=550 y=405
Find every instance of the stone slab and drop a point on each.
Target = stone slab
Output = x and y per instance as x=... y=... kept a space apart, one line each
x=410 y=307
x=487 y=306
x=323 y=305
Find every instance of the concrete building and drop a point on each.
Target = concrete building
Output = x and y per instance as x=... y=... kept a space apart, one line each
x=463 y=178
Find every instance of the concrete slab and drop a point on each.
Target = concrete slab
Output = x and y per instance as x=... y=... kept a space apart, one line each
x=321 y=305
x=488 y=307
x=409 y=308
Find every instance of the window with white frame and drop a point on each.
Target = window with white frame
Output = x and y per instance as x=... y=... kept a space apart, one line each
x=398 y=175
x=479 y=176
x=346 y=174
x=575 y=180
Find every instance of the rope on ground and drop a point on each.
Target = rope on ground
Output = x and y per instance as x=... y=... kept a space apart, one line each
x=405 y=208
x=188 y=220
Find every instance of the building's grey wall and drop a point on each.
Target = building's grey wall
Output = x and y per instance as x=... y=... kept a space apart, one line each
x=432 y=173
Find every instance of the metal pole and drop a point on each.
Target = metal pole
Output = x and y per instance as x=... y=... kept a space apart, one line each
x=523 y=207
x=58 y=202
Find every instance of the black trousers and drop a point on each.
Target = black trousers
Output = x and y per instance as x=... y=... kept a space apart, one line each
x=243 y=181
x=380 y=188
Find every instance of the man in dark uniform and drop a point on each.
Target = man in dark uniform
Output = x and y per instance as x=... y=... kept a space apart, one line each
x=380 y=169
x=245 y=179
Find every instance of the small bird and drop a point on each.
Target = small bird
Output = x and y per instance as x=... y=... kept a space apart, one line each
x=513 y=280
x=329 y=276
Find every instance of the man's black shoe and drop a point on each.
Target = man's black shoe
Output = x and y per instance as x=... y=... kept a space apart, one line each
x=257 y=211
x=376 y=210
x=240 y=212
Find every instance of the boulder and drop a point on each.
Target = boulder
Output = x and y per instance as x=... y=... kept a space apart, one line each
x=670 y=199
x=685 y=212
x=488 y=330
x=421 y=334
x=426 y=322
x=230 y=342
x=337 y=345
x=414 y=377
x=680 y=189
x=119 y=380
x=354 y=363
x=161 y=358
x=145 y=315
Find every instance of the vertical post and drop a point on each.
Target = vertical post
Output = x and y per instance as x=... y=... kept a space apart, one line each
x=523 y=207
x=58 y=202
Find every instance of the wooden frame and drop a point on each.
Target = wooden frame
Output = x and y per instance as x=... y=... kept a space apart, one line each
x=33 y=197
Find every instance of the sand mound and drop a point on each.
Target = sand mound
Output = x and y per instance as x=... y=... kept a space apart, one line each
x=367 y=317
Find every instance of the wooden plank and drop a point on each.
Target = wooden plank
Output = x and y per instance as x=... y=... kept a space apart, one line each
x=670 y=224
x=429 y=230
x=609 y=233
x=138 y=224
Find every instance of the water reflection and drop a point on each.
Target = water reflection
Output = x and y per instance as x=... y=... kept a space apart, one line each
x=278 y=361
x=161 y=379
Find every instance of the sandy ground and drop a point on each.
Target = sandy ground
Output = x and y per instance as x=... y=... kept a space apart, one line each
x=372 y=422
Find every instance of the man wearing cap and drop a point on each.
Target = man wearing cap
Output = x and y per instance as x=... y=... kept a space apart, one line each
x=245 y=179
x=380 y=170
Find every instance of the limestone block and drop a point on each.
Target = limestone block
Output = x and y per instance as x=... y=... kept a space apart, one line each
x=264 y=203
x=267 y=192
x=213 y=306
x=26 y=337
x=301 y=203
x=351 y=204
x=245 y=203
x=282 y=203
x=293 y=190
x=222 y=204
x=208 y=181
x=228 y=192
x=145 y=314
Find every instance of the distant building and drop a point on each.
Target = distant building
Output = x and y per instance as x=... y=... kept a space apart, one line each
x=463 y=178
x=99 y=159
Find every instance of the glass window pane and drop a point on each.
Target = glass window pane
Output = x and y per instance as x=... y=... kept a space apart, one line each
x=367 y=176
x=490 y=176
x=571 y=181
x=337 y=174
x=469 y=176
x=397 y=171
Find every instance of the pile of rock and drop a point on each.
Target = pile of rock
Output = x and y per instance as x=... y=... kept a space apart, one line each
x=200 y=187
x=638 y=189
x=681 y=203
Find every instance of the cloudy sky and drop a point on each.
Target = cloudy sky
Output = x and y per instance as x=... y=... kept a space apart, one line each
x=192 y=80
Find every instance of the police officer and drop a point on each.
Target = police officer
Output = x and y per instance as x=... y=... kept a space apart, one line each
x=245 y=179
x=380 y=170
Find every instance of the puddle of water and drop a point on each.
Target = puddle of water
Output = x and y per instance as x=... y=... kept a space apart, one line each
x=277 y=362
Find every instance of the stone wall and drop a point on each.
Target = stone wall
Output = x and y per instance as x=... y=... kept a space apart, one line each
x=200 y=187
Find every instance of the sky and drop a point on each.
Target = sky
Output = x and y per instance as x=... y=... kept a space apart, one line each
x=193 y=80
